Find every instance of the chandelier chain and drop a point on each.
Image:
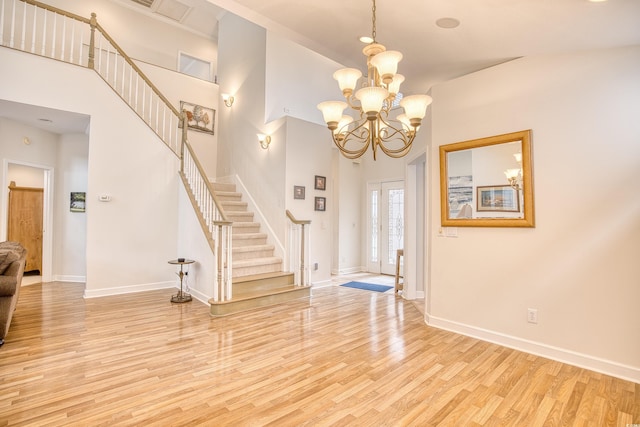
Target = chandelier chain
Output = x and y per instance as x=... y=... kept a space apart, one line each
x=373 y=21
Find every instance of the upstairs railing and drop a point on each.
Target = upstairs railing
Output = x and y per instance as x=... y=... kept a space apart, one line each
x=40 y=29
x=299 y=249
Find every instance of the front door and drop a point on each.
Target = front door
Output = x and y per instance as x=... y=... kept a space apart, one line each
x=385 y=234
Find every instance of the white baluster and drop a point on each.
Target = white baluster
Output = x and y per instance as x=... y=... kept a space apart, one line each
x=24 y=26
x=64 y=36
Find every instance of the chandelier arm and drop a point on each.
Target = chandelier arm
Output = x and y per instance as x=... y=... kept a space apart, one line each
x=351 y=103
x=350 y=154
x=398 y=152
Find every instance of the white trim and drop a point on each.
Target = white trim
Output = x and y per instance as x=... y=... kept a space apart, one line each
x=64 y=278
x=351 y=270
x=199 y=296
x=608 y=367
x=96 y=293
x=321 y=284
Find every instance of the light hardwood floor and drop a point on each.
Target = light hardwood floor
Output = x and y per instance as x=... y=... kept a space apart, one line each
x=344 y=357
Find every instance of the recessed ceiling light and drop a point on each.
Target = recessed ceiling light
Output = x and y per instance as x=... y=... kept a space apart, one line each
x=597 y=1
x=447 y=23
x=366 y=39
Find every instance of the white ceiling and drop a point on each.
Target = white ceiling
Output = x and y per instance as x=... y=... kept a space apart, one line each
x=490 y=32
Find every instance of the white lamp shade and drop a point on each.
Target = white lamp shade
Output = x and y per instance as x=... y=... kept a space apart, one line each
x=344 y=121
x=406 y=123
x=394 y=86
x=387 y=62
x=347 y=78
x=415 y=106
x=512 y=173
x=518 y=157
x=372 y=98
x=332 y=110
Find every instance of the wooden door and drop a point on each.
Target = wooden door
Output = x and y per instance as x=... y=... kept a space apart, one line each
x=25 y=222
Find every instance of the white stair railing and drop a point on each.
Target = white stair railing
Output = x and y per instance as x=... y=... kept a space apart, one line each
x=40 y=29
x=213 y=221
x=299 y=249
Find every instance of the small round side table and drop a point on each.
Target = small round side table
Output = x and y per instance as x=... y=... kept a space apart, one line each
x=181 y=296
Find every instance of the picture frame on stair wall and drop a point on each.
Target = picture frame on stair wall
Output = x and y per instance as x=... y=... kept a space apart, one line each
x=298 y=192
x=199 y=118
x=320 y=183
x=321 y=204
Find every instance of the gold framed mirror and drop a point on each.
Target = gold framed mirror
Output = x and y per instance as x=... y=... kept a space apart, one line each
x=487 y=182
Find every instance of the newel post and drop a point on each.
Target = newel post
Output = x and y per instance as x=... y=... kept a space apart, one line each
x=92 y=42
x=302 y=256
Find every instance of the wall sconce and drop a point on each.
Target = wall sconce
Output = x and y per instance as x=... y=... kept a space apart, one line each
x=264 y=140
x=228 y=99
x=514 y=176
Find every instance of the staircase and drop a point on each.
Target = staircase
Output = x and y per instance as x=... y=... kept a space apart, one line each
x=257 y=276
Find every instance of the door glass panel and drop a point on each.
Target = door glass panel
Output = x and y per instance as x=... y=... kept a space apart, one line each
x=396 y=223
x=374 y=226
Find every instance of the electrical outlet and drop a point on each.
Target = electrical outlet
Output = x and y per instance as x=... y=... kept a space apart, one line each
x=532 y=315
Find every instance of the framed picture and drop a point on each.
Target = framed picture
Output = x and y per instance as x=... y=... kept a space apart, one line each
x=498 y=198
x=320 y=183
x=321 y=204
x=198 y=117
x=77 y=201
x=298 y=192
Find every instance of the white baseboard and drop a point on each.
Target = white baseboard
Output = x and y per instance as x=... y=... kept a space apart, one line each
x=351 y=270
x=608 y=367
x=321 y=284
x=95 y=293
x=75 y=279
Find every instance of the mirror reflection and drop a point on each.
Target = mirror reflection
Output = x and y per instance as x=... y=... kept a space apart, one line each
x=487 y=182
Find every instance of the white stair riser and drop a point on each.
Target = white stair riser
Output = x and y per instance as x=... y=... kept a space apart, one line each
x=239 y=242
x=256 y=269
x=240 y=256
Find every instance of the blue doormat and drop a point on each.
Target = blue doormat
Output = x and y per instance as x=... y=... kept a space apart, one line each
x=368 y=286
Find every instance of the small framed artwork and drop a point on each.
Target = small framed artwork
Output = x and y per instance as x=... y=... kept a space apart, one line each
x=498 y=198
x=321 y=204
x=298 y=192
x=77 y=201
x=198 y=117
x=320 y=183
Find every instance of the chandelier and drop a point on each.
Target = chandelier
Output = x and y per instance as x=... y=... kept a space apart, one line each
x=372 y=104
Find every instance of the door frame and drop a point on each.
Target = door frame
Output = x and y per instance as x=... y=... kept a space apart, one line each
x=47 y=212
x=416 y=268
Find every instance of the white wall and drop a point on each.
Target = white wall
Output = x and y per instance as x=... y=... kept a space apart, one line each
x=308 y=155
x=242 y=73
x=178 y=87
x=298 y=79
x=25 y=176
x=70 y=228
x=140 y=36
x=578 y=267
x=129 y=239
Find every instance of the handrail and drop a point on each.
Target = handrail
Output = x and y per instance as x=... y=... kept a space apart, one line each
x=207 y=183
x=297 y=221
x=136 y=68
